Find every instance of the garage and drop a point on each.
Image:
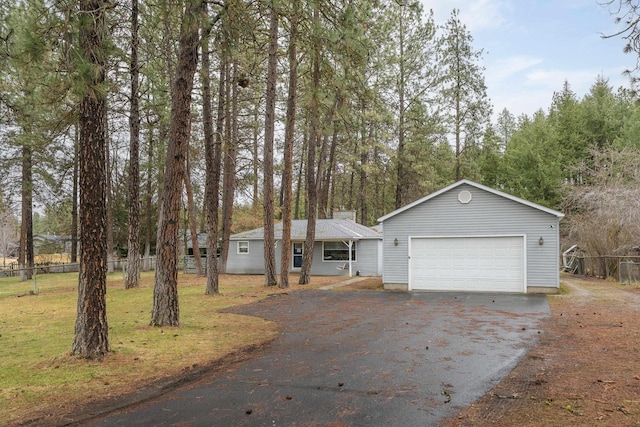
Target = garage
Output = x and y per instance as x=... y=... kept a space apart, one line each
x=469 y=263
x=468 y=237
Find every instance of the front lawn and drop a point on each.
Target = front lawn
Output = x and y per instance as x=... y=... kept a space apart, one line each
x=40 y=379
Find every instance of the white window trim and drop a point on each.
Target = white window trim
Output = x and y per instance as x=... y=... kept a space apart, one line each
x=238 y=248
x=355 y=247
x=293 y=255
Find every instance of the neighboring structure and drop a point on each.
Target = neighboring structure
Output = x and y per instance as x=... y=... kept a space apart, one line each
x=51 y=244
x=469 y=237
x=331 y=256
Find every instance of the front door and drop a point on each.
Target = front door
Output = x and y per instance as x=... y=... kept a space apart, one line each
x=298 y=249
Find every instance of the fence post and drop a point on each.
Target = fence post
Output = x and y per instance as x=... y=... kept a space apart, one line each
x=35 y=281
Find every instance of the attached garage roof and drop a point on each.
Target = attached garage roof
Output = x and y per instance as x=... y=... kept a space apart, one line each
x=473 y=184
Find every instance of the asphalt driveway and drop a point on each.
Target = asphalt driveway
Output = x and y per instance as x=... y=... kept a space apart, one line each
x=359 y=358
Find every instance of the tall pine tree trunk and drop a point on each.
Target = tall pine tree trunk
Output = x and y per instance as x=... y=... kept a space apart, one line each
x=255 y=152
x=289 y=134
x=91 y=331
x=25 y=253
x=296 y=214
x=229 y=170
x=74 y=202
x=400 y=155
x=133 y=247
x=212 y=180
x=314 y=137
x=192 y=221
x=146 y=265
x=166 y=310
x=109 y=197
x=270 y=274
x=326 y=195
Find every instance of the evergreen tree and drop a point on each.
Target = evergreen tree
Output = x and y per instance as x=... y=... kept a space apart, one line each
x=133 y=247
x=212 y=183
x=415 y=64
x=532 y=164
x=505 y=127
x=463 y=90
x=91 y=334
x=269 y=131
x=568 y=123
x=166 y=311
x=289 y=135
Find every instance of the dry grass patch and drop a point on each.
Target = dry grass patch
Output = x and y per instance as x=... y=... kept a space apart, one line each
x=40 y=380
x=367 y=284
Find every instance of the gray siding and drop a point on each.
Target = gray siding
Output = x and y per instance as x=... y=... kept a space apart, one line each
x=486 y=214
x=367 y=254
x=251 y=263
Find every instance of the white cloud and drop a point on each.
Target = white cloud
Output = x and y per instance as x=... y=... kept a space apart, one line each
x=507 y=67
x=478 y=15
x=483 y=15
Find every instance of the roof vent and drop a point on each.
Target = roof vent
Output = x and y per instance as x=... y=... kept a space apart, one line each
x=464 y=197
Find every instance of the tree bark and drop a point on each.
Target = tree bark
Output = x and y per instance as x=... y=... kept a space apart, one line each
x=25 y=253
x=192 y=221
x=109 y=198
x=400 y=155
x=314 y=136
x=270 y=275
x=289 y=134
x=301 y=168
x=229 y=165
x=212 y=184
x=146 y=265
x=326 y=197
x=165 y=296
x=74 y=202
x=256 y=155
x=133 y=247
x=91 y=331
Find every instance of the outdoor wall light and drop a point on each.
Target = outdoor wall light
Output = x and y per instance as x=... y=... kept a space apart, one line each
x=395 y=241
x=541 y=241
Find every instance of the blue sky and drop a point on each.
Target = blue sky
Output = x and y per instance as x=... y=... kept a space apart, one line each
x=532 y=46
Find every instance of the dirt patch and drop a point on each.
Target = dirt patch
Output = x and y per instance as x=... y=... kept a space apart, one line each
x=366 y=284
x=584 y=371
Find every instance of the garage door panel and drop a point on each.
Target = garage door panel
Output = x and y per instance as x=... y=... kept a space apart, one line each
x=468 y=263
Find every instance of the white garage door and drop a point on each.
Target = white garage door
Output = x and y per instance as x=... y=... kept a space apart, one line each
x=493 y=264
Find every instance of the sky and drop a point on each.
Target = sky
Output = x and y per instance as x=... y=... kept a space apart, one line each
x=532 y=46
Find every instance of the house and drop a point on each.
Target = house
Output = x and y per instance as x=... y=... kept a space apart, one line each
x=331 y=254
x=469 y=237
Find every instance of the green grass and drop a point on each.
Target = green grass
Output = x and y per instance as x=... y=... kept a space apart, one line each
x=12 y=286
x=39 y=376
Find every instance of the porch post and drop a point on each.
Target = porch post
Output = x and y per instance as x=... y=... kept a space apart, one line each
x=350 y=245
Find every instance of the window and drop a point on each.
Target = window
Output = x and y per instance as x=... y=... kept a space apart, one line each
x=338 y=251
x=243 y=247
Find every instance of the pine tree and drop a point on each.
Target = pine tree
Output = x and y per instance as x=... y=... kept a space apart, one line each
x=91 y=333
x=463 y=89
x=166 y=311
x=133 y=255
x=269 y=130
x=289 y=135
x=212 y=180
